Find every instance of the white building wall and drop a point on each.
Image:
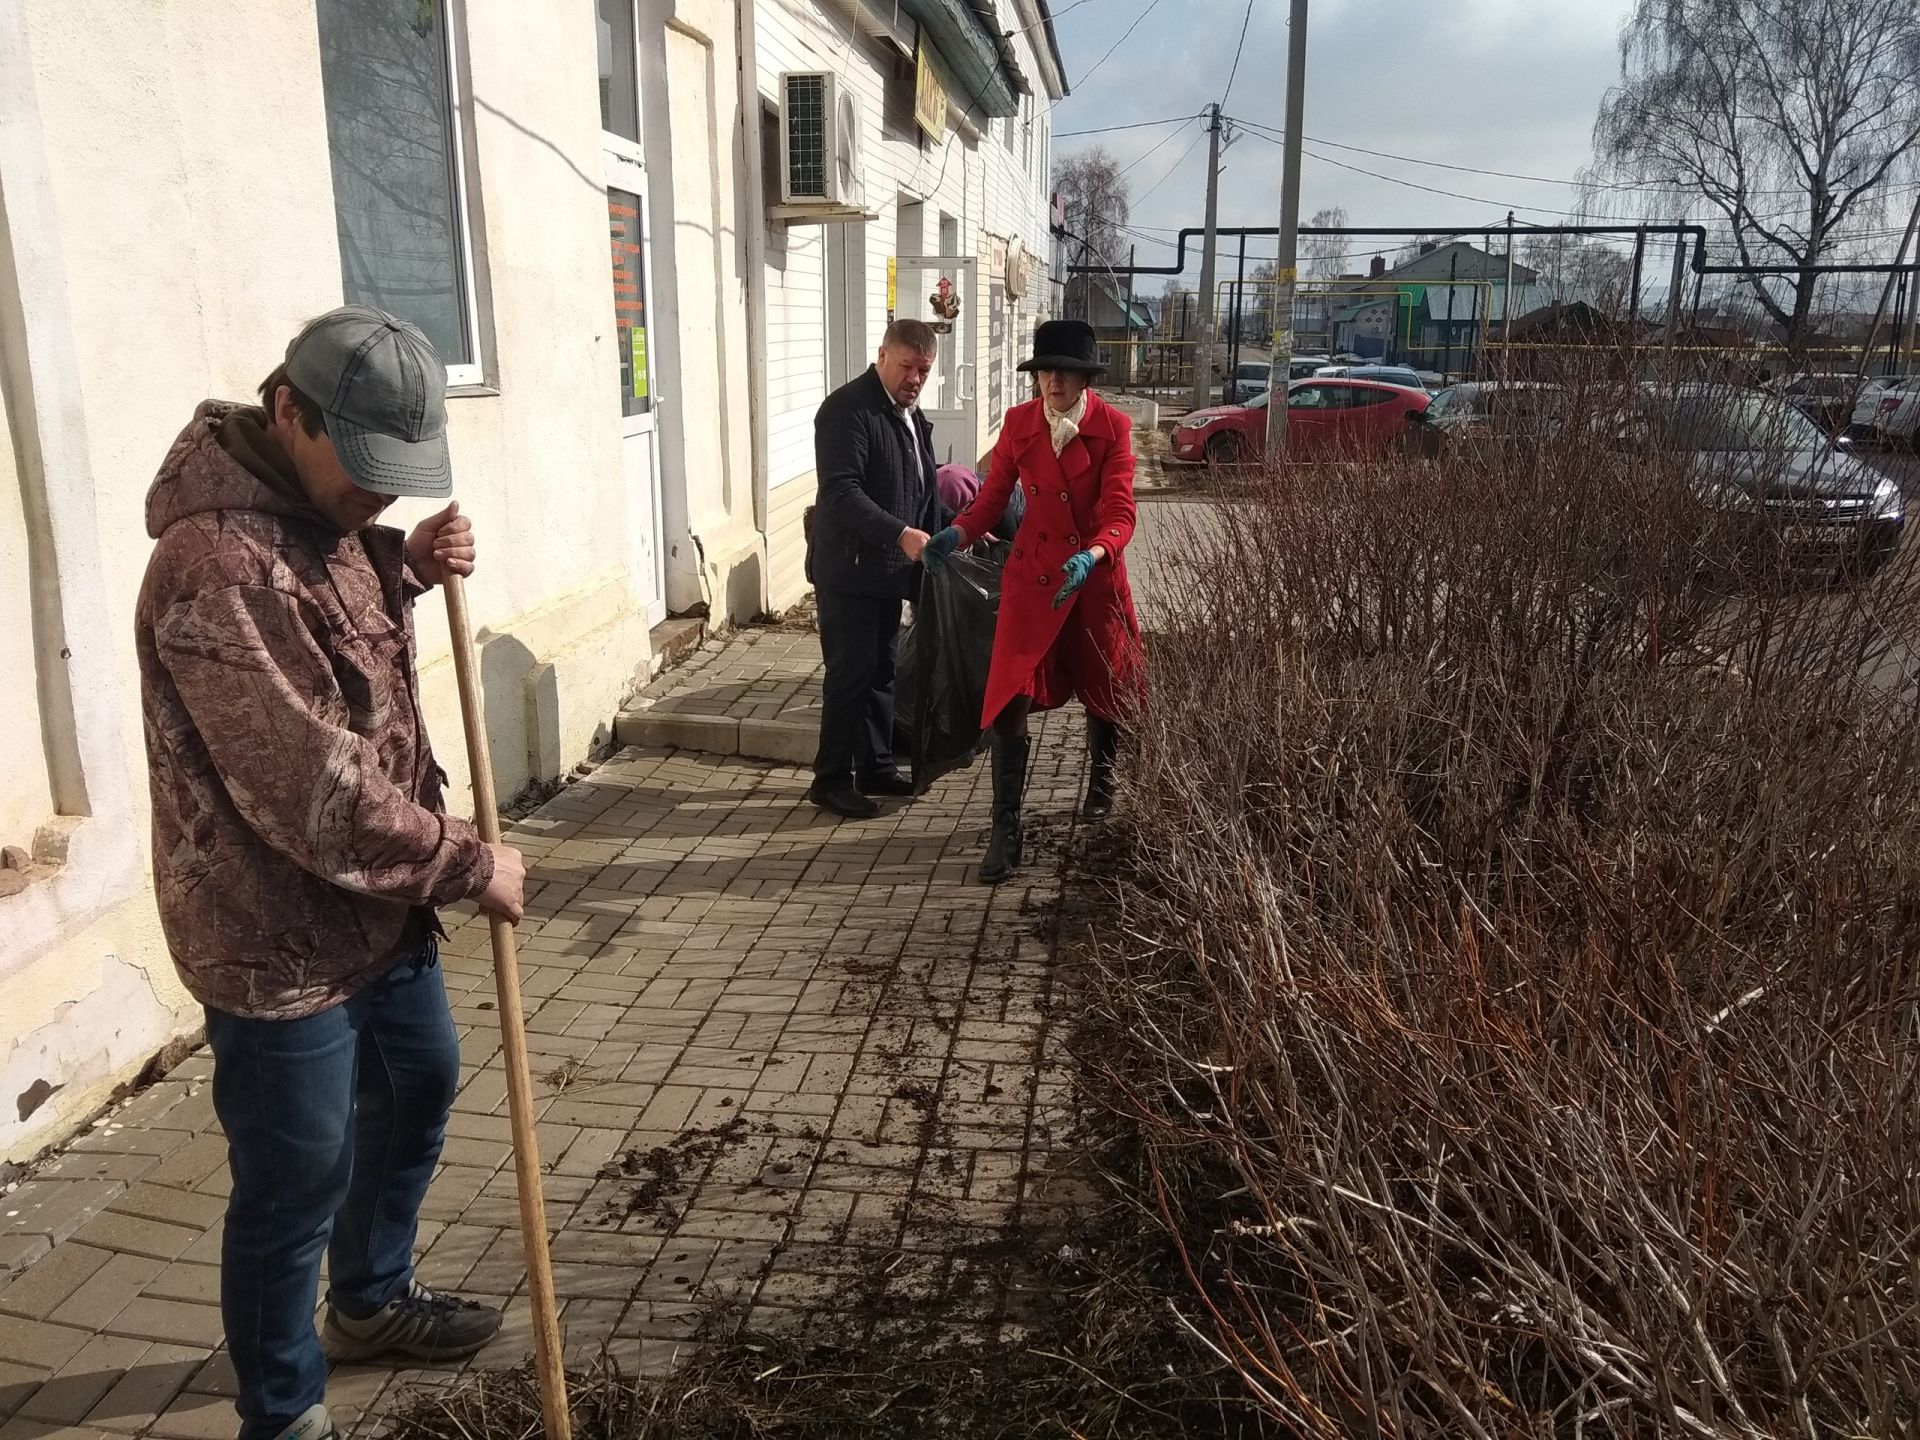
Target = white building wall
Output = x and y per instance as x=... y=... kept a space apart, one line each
x=188 y=205
x=694 y=137
x=973 y=177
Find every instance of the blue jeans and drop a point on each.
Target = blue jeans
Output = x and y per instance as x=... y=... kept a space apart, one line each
x=334 y=1125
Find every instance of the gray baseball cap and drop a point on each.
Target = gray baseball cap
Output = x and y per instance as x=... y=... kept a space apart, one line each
x=383 y=390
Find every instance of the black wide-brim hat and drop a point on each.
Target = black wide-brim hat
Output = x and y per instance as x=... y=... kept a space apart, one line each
x=1065 y=345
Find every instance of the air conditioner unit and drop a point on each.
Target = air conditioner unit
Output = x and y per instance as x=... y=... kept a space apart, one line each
x=820 y=176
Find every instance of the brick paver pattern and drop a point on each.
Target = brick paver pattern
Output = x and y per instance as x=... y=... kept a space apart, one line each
x=772 y=1053
x=760 y=674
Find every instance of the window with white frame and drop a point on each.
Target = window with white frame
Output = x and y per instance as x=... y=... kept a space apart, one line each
x=399 y=187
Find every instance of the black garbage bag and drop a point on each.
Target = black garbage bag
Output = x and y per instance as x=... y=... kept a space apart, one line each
x=941 y=679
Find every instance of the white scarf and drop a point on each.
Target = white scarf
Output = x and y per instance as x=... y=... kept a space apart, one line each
x=1065 y=425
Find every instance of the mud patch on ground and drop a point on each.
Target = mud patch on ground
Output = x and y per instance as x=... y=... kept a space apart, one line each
x=659 y=1177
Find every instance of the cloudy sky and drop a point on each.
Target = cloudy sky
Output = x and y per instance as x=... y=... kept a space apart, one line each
x=1508 y=85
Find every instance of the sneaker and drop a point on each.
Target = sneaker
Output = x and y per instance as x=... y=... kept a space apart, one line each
x=420 y=1325
x=313 y=1424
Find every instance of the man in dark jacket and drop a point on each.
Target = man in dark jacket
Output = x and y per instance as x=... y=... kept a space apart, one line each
x=300 y=845
x=878 y=501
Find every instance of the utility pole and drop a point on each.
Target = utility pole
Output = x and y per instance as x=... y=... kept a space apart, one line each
x=1203 y=351
x=1283 y=274
x=1233 y=341
x=1086 y=279
x=1676 y=288
x=1506 y=305
x=1633 y=302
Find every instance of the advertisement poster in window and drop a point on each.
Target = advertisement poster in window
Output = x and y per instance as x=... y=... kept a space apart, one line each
x=996 y=352
x=629 y=301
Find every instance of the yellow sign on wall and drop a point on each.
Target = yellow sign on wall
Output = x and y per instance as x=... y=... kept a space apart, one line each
x=929 y=95
x=893 y=286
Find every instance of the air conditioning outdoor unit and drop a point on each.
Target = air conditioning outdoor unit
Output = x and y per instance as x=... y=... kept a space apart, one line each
x=820 y=177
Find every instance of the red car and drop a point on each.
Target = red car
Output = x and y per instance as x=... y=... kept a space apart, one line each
x=1326 y=419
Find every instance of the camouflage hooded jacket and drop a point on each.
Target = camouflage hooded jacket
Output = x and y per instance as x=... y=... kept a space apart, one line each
x=297 y=821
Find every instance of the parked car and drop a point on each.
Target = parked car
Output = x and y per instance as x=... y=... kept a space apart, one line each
x=1831 y=400
x=1385 y=374
x=1325 y=418
x=1813 y=504
x=1890 y=415
x=1508 y=413
x=1249 y=377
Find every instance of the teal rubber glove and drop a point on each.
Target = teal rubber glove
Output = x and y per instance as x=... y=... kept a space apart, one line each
x=1077 y=569
x=940 y=546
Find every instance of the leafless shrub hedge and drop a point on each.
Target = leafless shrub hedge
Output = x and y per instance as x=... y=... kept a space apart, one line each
x=1518 y=956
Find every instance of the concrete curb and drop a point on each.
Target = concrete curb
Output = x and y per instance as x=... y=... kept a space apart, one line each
x=782 y=742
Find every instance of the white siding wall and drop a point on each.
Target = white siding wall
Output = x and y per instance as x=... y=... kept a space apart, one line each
x=988 y=188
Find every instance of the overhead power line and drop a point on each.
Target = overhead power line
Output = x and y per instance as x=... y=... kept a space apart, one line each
x=1042 y=24
x=1235 y=71
x=1152 y=5
x=1275 y=133
x=1170 y=135
x=1138 y=125
x=1174 y=167
x=1412 y=184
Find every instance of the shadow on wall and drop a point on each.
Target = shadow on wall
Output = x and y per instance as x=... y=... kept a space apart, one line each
x=746 y=588
x=506 y=669
x=526 y=728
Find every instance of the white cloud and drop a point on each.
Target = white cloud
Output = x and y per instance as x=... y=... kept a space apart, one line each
x=1506 y=85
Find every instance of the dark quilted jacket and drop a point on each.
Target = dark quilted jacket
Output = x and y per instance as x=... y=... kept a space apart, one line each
x=297 y=820
x=871 y=488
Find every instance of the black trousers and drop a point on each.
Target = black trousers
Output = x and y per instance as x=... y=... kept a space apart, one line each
x=859 y=636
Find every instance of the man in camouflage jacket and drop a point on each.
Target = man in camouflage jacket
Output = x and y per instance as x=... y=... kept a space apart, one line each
x=300 y=844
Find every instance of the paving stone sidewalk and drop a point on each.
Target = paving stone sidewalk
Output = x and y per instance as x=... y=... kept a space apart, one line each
x=755 y=693
x=796 y=1063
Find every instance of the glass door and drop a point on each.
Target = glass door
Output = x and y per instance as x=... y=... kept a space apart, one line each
x=632 y=293
x=941 y=290
x=629 y=237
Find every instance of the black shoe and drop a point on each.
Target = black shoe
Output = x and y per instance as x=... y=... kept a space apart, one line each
x=420 y=1325
x=1009 y=791
x=846 y=802
x=893 y=785
x=1103 y=744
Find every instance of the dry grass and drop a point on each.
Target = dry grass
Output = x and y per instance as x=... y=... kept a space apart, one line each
x=1091 y=1360
x=1503 y=994
x=1516 y=972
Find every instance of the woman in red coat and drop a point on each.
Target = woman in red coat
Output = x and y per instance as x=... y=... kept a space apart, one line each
x=1067 y=626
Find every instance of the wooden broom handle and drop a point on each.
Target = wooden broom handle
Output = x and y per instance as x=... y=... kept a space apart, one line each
x=548 y=1359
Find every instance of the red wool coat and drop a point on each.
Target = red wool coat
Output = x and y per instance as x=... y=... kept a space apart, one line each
x=1089 y=647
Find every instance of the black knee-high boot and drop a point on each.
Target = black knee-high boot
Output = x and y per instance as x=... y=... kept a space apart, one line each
x=1103 y=744
x=1009 y=792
